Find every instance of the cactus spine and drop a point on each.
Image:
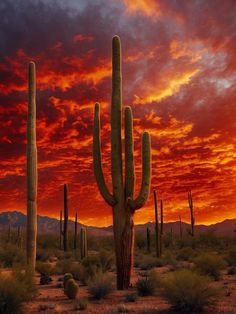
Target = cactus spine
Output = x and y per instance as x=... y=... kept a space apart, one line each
x=65 y=229
x=148 y=240
x=32 y=177
x=121 y=200
x=83 y=243
x=156 y=225
x=75 y=235
x=190 y=203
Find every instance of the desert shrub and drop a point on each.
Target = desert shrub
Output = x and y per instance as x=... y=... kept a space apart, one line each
x=11 y=254
x=122 y=309
x=42 y=255
x=44 y=268
x=45 y=279
x=100 y=286
x=231 y=257
x=149 y=262
x=63 y=266
x=81 y=304
x=187 y=291
x=146 y=286
x=185 y=253
x=106 y=260
x=131 y=297
x=231 y=270
x=210 y=265
x=13 y=293
x=71 y=288
x=66 y=277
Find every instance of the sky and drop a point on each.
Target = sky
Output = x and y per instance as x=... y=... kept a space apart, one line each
x=179 y=75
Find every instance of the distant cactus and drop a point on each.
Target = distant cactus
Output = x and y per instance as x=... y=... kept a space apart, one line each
x=32 y=178
x=157 y=233
x=60 y=231
x=66 y=277
x=75 y=235
x=71 y=289
x=65 y=229
x=83 y=243
x=162 y=227
x=148 y=241
x=121 y=200
x=190 y=203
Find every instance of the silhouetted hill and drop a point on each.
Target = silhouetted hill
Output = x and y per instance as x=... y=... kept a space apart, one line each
x=51 y=225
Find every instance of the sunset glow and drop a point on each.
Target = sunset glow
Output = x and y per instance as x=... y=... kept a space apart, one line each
x=179 y=77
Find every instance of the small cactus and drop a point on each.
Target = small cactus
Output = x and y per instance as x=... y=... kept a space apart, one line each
x=148 y=240
x=156 y=225
x=71 y=288
x=190 y=203
x=66 y=277
x=83 y=243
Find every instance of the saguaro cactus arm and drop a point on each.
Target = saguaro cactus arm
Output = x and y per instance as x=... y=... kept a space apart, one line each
x=97 y=164
x=146 y=174
x=129 y=154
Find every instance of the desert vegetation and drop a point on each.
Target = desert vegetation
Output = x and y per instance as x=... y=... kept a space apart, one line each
x=159 y=271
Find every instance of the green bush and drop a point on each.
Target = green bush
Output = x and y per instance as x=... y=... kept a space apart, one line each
x=106 y=260
x=44 y=268
x=231 y=257
x=71 y=288
x=187 y=291
x=81 y=304
x=185 y=253
x=11 y=254
x=146 y=286
x=131 y=297
x=100 y=286
x=66 y=277
x=210 y=265
x=13 y=292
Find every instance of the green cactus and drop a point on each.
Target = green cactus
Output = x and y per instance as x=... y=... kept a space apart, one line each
x=75 y=235
x=162 y=227
x=60 y=231
x=83 y=243
x=32 y=178
x=66 y=277
x=157 y=233
x=121 y=199
x=148 y=240
x=190 y=203
x=65 y=229
x=71 y=289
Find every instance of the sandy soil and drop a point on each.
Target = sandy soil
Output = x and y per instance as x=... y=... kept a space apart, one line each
x=51 y=299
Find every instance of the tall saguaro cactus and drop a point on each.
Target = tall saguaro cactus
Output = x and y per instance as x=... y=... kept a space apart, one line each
x=162 y=227
x=121 y=199
x=148 y=240
x=60 y=231
x=75 y=235
x=83 y=243
x=65 y=229
x=32 y=178
x=190 y=203
x=157 y=233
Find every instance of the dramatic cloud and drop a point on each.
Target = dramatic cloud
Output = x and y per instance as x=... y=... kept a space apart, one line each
x=179 y=75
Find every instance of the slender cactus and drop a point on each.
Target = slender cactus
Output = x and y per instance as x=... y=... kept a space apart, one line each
x=162 y=227
x=148 y=240
x=157 y=233
x=121 y=198
x=32 y=177
x=65 y=229
x=190 y=203
x=180 y=228
x=83 y=243
x=60 y=231
x=75 y=235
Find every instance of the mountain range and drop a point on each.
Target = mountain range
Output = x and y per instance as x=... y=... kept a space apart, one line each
x=51 y=225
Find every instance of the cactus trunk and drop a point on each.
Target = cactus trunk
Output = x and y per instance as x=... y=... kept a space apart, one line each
x=190 y=203
x=157 y=233
x=148 y=241
x=31 y=171
x=75 y=235
x=121 y=200
x=162 y=227
x=65 y=229
x=83 y=243
x=60 y=231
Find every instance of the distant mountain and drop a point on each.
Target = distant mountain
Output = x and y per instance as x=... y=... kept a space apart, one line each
x=51 y=225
